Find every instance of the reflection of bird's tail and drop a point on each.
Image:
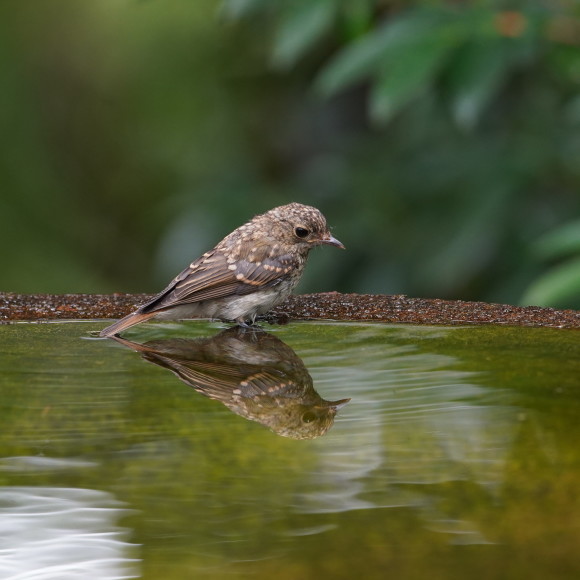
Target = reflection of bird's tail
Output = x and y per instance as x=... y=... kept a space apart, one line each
x=127 y=322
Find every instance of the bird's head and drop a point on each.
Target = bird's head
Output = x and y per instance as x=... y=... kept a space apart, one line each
x=302 y=225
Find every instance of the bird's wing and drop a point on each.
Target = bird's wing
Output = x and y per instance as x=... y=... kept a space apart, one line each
x=217 y=380
x=211 y=276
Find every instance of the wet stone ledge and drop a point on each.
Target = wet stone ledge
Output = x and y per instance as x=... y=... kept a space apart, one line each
x=330 y=305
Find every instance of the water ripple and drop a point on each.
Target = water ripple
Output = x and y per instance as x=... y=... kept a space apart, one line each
x=63 y=534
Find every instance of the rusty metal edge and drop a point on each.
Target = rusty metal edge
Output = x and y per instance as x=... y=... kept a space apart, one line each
x=330 y=305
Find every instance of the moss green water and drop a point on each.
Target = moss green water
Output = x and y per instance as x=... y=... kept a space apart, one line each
x=458 y=455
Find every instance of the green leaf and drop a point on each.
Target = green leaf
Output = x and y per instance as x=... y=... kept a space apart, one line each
x=300 y=29
x=239 y=8
x=357 y=18
x=562 y=241
x=559 y=287
x=478 y=73
x=408 y=74
x=363 y=57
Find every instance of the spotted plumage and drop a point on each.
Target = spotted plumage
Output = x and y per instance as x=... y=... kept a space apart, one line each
x=252 y=373
x=248 y=273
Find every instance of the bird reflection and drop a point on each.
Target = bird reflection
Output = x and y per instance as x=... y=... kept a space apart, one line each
x=253 y=373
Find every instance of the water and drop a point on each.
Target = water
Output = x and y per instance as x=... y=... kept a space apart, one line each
x=456 y=457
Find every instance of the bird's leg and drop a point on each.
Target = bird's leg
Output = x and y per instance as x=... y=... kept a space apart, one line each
x=248 y=324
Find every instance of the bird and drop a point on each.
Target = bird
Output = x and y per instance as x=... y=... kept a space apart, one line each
x=251 y=372
x=250 y=271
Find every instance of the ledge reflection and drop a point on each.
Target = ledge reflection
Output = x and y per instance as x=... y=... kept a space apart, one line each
x=252 y=373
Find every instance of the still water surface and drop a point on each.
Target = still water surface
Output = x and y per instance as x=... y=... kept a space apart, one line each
x=193 y=451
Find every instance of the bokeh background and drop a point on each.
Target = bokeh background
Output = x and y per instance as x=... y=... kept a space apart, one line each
x=440 y=138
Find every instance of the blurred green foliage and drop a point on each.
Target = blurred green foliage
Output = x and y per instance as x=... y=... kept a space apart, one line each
x=441 y=139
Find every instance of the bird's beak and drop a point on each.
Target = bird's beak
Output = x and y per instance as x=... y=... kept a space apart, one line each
x=332 y=406
x=336 y=405
x=331 y=241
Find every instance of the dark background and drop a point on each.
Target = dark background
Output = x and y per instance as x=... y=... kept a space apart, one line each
x=440 y=139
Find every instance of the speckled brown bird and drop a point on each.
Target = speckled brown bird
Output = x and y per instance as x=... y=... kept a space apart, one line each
x=251 y=372
x=248 y=273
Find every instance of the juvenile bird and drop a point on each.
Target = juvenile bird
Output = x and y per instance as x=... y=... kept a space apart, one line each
x=251 y=372
x=248 y=273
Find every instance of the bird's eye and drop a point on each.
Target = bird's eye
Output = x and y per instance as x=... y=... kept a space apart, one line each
x=308 y=417
x=301 y=232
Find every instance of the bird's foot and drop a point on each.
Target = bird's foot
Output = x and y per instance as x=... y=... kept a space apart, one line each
x=248 y=324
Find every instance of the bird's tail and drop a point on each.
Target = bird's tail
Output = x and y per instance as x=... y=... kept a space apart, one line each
x=127 y=322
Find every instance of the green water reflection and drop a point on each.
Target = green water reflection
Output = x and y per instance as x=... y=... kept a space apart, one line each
x=456 y=457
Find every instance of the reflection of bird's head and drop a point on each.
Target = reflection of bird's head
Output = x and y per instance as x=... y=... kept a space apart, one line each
x=307 y=422
x=253 y=373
